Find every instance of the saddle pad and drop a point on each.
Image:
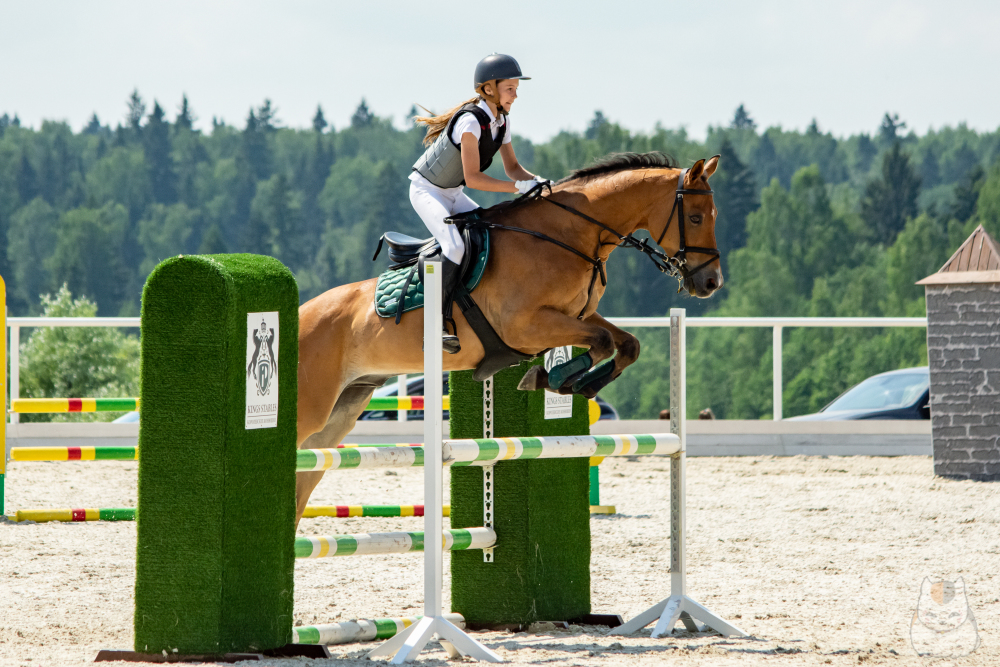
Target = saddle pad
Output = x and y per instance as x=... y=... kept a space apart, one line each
x=390 y=284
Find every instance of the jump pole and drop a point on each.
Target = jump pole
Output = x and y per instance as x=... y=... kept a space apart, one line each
x=679 y=606
x=405 y=646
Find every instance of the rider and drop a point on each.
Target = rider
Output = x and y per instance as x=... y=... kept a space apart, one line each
x=459 y=151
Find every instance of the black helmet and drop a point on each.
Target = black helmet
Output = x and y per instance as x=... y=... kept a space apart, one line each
x=497 y=66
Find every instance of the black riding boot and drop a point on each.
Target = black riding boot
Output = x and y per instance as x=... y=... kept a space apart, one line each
x=450 y=276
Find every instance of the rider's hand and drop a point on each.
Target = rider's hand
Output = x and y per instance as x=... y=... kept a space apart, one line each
x=542 y=179
x=524 y=187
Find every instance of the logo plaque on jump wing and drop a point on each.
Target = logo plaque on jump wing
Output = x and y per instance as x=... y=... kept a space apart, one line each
x=558 y=406
x=262 y=370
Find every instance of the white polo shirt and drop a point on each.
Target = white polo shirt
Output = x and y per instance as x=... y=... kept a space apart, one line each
x=468 y=123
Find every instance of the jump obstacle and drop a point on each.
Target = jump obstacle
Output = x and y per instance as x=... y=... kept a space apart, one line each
x=359 y=630
x=408 y=642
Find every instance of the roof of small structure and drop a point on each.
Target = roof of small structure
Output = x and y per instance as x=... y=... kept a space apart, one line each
x=976 y=261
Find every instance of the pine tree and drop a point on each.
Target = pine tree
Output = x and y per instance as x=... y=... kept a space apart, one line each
x=27 y=180
x=888 y=131
x=930 y=169
x=595 y=125
x=362 y=116
x=157 y=147
x=94 y=126
x=891 y=199
x=136 y=111
x=267 y=117
x=742 y=120
x=735 y=187
x=319 y=122
x=866 y=153
x=185 y=117
x=967 y=193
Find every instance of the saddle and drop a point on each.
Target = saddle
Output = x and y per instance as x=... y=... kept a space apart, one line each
x=398 y=290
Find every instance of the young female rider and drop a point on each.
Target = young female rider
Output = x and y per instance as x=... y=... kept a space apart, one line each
x=461 y=145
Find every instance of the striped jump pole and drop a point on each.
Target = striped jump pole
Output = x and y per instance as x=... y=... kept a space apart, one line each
x=36 y=405
x=343 y=511
x=679 y=606
x=128 y=513
x=359 y=630
x=364 y=544
x=75 y=515
x=490 y=450
x=74 y=453
x=48 y=405
x=407 y=644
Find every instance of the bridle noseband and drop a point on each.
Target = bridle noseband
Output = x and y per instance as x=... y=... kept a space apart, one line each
x=680 y=257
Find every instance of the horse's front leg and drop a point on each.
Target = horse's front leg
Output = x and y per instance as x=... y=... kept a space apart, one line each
x=627 y=348
x=550 y=328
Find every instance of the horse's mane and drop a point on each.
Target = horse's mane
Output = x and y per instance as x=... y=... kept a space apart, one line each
x=616 y=162
x=609 y=164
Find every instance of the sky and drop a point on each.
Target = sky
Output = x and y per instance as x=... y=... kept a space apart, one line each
x=679 y=64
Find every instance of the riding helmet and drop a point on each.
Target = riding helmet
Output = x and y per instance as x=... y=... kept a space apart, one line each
x=497 y=66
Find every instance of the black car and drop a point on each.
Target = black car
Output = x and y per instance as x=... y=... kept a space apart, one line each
x=415 y=387
x=902 y=394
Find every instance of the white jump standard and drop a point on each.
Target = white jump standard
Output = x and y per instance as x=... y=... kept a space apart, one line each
x=678 y=607
x=406 y=645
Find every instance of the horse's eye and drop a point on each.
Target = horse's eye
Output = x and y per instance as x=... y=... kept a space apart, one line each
x=695 y=219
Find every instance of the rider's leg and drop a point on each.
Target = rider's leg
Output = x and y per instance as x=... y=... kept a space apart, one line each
x=433 y=206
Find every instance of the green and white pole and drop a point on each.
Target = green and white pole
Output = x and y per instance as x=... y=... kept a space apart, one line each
x=363 y=544
x=359 y=630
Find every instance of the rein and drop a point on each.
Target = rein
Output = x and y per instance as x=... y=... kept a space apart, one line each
x=673 y=265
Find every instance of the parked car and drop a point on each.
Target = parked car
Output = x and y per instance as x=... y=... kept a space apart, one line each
x=902 y=394
x=415 y=387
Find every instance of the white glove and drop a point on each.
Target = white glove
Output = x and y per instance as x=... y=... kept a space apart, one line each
x=525 y=186
x=542 y=179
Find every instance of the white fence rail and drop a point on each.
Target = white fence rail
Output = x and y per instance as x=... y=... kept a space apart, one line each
x=777 y=325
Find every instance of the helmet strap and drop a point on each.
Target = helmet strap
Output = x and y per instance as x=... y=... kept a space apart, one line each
x=494 y=98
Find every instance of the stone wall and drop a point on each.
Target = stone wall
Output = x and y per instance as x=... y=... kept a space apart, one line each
x=963 y=348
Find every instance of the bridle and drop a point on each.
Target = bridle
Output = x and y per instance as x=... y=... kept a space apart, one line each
x=673 y=265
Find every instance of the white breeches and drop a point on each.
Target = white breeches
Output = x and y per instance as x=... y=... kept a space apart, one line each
x=433 y=205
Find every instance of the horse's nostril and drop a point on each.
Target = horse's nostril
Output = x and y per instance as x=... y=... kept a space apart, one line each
x=711 y=284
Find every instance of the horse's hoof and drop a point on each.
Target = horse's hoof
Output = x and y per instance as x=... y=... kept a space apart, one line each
x=536 y=378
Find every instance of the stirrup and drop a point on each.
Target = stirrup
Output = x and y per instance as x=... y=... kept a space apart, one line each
x=450 y=343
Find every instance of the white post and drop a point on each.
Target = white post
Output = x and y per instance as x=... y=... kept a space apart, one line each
x=401 y=383
x=776 y=371
x=15 y=368
x=677 y=607
x=405 y=646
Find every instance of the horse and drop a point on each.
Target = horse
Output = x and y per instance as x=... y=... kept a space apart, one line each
x=537 y=295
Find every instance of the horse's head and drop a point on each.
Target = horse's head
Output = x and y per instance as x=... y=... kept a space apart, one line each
x=688 y=229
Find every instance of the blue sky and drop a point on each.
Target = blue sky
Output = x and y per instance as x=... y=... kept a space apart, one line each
x=642 y=63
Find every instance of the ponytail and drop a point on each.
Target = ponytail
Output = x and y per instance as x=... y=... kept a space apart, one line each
x=437 y=124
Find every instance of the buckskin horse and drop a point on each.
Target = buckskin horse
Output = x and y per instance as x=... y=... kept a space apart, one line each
x=540 y=290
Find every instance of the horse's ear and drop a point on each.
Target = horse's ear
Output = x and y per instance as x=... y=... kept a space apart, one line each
x=711 y=166
x=694 y=173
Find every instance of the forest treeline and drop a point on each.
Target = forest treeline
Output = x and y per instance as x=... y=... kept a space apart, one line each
x=809 y=224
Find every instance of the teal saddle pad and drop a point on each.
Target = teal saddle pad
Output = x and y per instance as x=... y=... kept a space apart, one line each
x=390 y=285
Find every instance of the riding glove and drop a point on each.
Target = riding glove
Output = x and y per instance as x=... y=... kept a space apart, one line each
x=525 y=186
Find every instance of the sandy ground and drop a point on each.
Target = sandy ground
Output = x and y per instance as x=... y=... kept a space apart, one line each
x=819 y=559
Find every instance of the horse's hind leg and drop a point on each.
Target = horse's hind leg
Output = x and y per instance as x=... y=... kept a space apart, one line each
x=345 y=413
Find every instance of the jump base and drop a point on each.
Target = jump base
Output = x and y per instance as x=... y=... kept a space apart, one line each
x=288 y=651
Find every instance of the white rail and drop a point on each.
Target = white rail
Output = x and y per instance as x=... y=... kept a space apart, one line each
x=777 y=325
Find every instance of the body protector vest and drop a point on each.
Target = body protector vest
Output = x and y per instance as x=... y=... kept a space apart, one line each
x=441 y=163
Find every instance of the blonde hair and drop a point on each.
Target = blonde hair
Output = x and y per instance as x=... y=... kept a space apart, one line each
x=437 y=124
